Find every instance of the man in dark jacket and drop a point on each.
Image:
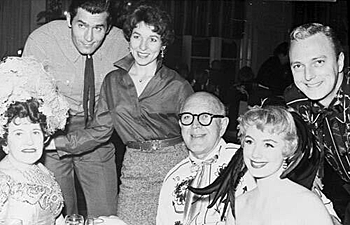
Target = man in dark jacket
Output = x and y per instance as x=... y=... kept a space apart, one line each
x=321 y=94
x=273 y=76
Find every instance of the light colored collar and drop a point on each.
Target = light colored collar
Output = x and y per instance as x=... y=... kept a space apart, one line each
x=215 y=153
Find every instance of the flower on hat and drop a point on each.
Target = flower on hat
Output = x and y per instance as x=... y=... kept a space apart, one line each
x=24 y=78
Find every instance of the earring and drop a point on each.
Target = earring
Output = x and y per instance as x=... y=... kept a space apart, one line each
x=284 y=164
x=47 y=139
x=5 y=148
x=162 y=53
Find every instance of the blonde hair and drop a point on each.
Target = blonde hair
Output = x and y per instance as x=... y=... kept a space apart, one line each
x=273 y=119
x=309 y=29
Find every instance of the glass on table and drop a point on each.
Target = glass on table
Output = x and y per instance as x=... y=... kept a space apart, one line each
x=74 y=219
x=91 y=220
x=11 y=221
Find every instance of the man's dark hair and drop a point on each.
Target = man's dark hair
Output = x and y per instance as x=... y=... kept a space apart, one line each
x=92 y=6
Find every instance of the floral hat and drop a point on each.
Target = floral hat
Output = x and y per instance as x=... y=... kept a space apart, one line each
x=24 y=78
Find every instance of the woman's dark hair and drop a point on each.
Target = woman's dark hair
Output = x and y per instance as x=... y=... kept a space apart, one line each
x=154 y=16
x=29 y=109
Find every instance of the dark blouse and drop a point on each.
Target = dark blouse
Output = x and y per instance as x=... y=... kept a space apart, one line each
x=151 y=116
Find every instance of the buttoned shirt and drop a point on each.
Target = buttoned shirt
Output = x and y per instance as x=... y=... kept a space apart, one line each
x=330 y=125
x=174 y=189
x=52 y=44
x=151 y=116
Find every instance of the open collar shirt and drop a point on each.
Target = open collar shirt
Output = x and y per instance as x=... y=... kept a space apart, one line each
x=174 y=189
x=52 y=44
x=151 y=116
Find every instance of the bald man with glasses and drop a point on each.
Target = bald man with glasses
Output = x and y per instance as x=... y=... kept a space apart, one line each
x=203 y=122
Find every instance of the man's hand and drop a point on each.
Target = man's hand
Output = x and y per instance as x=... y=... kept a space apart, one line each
x=60 y=142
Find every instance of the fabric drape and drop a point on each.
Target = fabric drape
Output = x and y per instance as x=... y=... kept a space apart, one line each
x=197 y=203
x=15 y=21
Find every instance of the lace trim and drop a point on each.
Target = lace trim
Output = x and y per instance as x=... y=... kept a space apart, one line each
x=39 y=188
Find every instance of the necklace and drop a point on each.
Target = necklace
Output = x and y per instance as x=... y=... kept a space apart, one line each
x=144 y=79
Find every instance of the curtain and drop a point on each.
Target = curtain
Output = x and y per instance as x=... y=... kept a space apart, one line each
x=334 y=14
x=14 y=25
x=204 y=18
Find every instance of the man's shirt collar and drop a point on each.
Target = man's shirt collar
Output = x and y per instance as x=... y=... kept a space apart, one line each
x=212 y=155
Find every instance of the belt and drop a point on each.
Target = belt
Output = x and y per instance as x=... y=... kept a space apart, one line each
x=153 y=145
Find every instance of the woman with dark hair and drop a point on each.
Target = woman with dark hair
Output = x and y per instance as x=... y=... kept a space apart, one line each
x=140 y=100
x=31 y=109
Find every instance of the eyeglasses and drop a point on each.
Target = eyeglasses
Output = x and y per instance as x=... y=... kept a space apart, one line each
x=204 y=119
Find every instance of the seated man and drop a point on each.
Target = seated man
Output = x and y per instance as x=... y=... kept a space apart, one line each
x=203 y=122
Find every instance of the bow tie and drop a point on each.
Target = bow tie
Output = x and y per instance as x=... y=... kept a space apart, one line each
x=336 y=108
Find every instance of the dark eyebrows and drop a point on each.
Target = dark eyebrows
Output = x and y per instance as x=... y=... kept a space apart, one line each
x=265 y=140
x=81 y=21
x=86 y=24
x=155 y=36
x=270 y=140
x=248 y=136
x=295 y=63
x=99 y=25
x=17 y=129
x=319 y=57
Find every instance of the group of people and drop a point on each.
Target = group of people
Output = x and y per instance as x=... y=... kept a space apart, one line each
x=284 y=144
x=112 y=79
x=82 y=79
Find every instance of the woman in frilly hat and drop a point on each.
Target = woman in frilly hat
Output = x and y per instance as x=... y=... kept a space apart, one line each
x=31 y=109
